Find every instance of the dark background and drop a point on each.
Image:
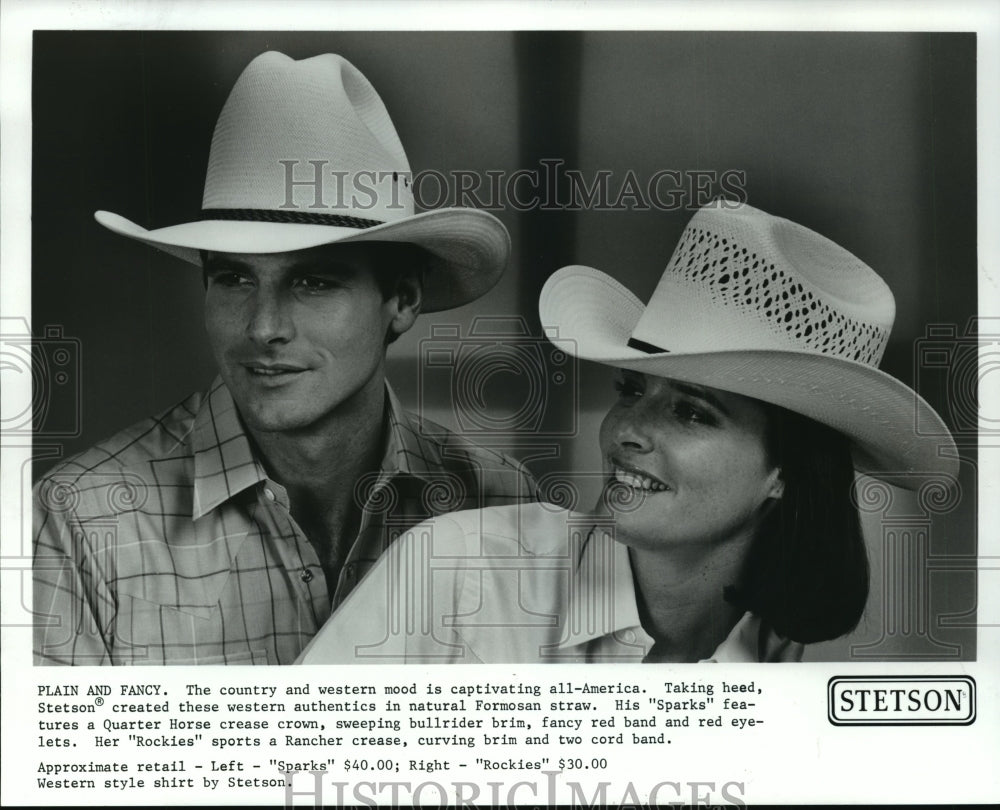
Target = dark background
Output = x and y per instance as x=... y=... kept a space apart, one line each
x=867 y=138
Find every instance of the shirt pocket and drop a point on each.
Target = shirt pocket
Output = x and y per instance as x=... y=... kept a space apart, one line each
x=177 y=605
x=186 y=577
x=149 y=633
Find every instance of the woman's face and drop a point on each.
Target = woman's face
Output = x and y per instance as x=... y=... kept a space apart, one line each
x=686 y=463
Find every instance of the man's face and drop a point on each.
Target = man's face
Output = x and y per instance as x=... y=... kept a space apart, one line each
x=300 y=337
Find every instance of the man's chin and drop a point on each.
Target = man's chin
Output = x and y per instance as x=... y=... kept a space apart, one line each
x=279 y=416
x=275 y=423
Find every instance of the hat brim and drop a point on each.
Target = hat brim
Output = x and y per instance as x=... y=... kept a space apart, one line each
x=469 y=248
x=896 y=435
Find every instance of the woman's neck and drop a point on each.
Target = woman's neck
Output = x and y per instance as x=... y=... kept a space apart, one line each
x=679 y=596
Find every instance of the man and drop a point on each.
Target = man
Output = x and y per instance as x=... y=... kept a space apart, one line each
x=227 y=529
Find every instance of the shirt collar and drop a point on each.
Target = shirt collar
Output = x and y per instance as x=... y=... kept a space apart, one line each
x=408 y=451
x=602 y=592
x=601 y=597
x=224 y=461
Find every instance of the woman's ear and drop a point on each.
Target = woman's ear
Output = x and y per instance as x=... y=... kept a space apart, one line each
x=776 y=484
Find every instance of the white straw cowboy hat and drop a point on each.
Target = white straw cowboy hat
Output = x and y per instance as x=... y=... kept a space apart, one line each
x=305 y=154
x=760 y=306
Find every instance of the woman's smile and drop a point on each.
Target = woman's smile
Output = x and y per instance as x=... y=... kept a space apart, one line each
x=635 y=477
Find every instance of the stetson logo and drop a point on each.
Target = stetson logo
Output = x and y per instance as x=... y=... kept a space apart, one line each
x=891 y=700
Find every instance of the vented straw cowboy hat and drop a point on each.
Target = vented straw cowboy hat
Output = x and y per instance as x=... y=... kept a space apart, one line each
x=321 y=118
x=760 y=306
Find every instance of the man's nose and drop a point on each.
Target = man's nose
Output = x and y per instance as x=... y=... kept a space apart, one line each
x=270 y=319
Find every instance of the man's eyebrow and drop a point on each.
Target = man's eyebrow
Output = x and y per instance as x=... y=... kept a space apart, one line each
x=700 y=393
x=224 y=263
x=323 y=266
x=312 y=266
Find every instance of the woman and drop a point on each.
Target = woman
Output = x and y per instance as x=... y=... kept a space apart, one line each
x=748 y=393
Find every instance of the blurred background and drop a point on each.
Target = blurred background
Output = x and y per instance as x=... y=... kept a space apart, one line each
x=869 y=139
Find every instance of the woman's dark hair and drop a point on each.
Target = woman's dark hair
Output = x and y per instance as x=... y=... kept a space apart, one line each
x=807 y=570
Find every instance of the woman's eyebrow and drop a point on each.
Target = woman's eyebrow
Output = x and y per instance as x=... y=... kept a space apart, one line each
x=700 y=393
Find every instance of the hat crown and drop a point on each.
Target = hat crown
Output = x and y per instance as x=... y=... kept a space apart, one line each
x=304 y=154
x=308 y=136
x=741 y=278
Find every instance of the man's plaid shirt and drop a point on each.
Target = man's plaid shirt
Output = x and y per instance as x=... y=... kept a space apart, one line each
x=168 y=543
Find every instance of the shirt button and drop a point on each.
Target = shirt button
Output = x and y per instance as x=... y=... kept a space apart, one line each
x=307 y=575
x=269 y=493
